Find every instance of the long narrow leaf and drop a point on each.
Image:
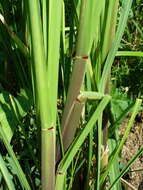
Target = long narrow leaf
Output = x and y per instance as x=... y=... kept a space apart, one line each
x=118 y=149
x=6 y=174
x=20 y=173
x=78 y=142
x=125 y=169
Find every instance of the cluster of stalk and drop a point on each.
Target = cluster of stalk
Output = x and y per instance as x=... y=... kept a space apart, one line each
x=94 y=34
x=97 y=38
x=97 y=41
x=45 y=44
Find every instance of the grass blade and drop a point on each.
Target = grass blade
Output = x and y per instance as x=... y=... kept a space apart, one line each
x=126 y=167
x=64 y=164
x=114 y=170
x=20 y=173
x=130 y=53
x=126 y=5
x=118 y=149
x=6 y=174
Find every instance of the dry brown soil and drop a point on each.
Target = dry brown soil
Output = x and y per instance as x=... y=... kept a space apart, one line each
x=132 y=145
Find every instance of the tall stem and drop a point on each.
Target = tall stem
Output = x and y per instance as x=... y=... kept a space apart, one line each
x=46 y=72
x=83 y=47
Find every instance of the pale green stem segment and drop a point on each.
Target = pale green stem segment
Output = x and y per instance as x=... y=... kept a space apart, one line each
x=90 y=95
x=75 y=112
x=110 y=25
x=46 y=71
x=52 y=69
x=73 y=117
x=66 y=161
x=52 y=62
x=45 y=24
x=83 y=47
x=54 y=16
x=73 y=92
x=41 y=86
x=6 y=174
x=118 y=149
x=20 y=173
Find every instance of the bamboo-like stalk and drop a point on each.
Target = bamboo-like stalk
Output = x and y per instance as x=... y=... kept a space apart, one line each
x=46 y=70
x=83 y=47
x=41 y=86
x=75 y=113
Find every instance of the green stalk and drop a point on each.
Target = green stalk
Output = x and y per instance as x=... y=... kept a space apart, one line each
x=52 y=63
x=110 y=25
x=52 y=67
x=46 y=82
x=73 y=117
x=75 y=112
x=45 y=24
x=83 y=47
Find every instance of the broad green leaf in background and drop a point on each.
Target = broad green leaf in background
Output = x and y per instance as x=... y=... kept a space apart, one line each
x=8 y=118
